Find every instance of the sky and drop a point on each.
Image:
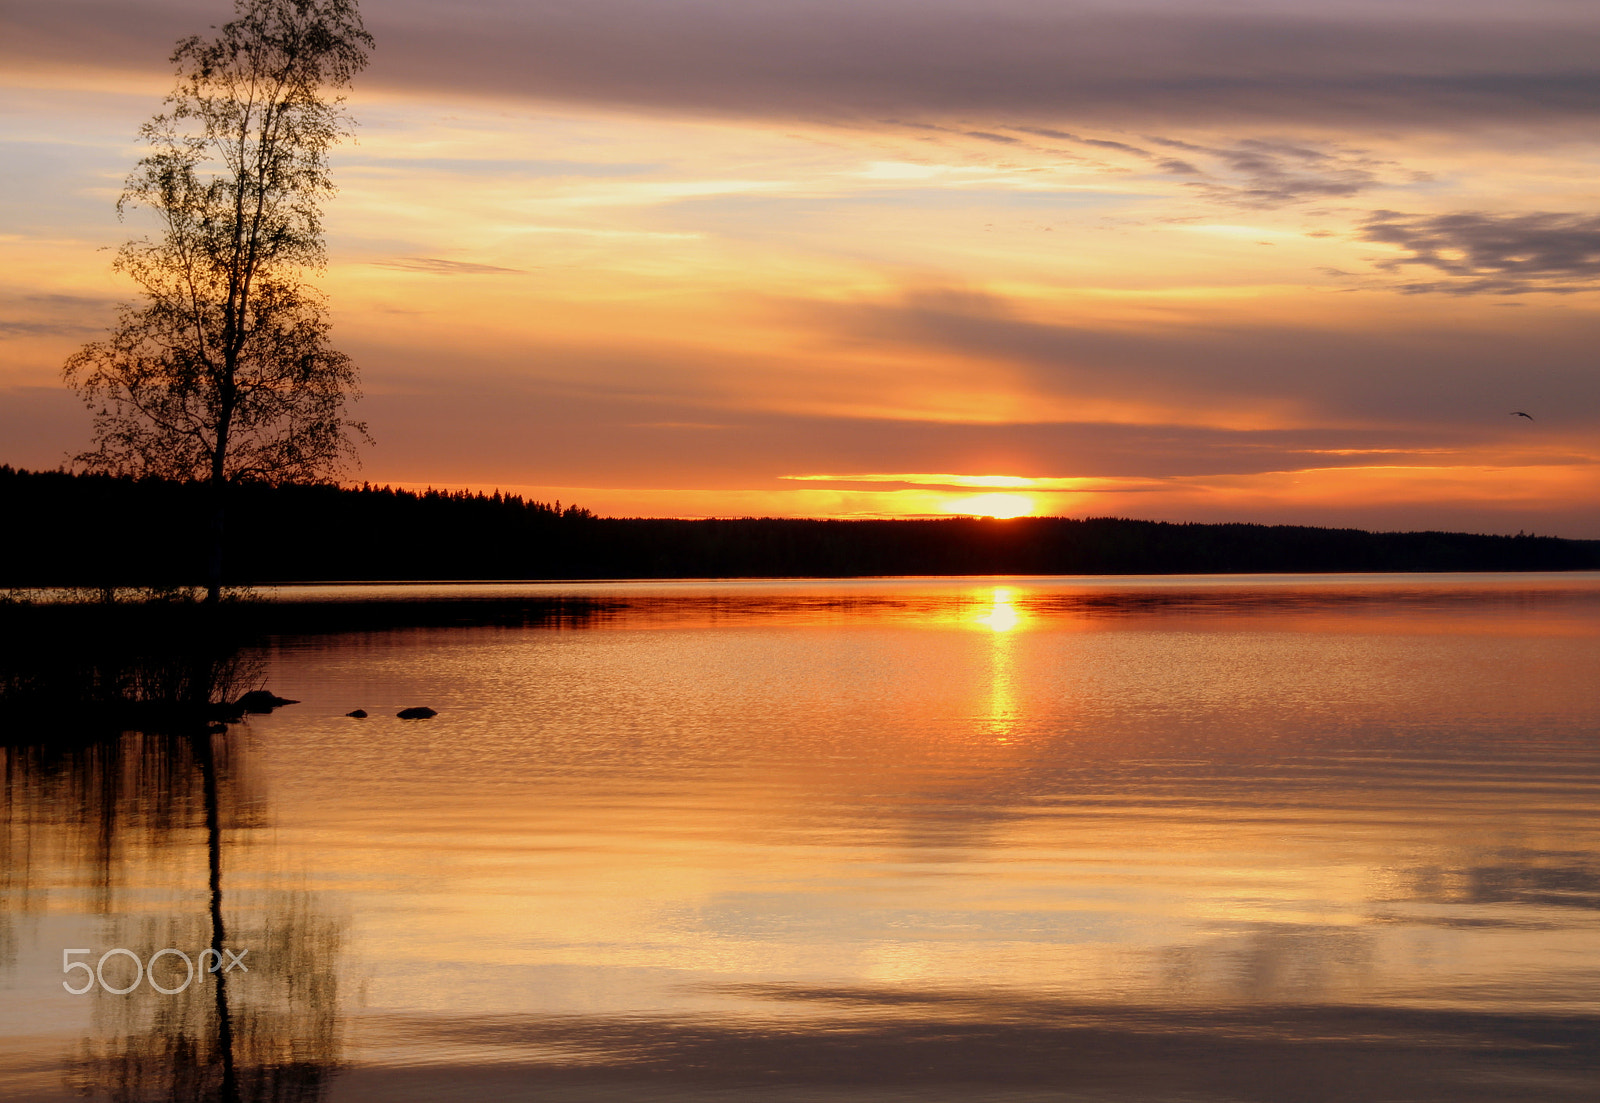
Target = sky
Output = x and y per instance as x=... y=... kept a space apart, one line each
x=1188 y=260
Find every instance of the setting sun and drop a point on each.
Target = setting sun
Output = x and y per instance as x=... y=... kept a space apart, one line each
x=993 y=505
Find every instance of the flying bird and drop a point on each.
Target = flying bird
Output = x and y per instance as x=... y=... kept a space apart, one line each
x=1519 y=413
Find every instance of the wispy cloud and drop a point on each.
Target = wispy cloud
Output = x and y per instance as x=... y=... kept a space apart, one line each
x=437 y=266
x=1258 y=172
x=986 y=482
x=53 y=315
x=44 y=329
x=1244 y=172
x=1508 y=254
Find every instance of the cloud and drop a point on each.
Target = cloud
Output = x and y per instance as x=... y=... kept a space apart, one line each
x=54 y=315
x=1232 y=369
x=1267 y=173
x=982 y=482
x=499 y=168
x=1508 y=254
x=1044 y=59
x=437 y=266
x=986 y=136
x=1249 y=172
x=1067 y=136
x=1400 y=66
x=44 y=329
x=465 y=427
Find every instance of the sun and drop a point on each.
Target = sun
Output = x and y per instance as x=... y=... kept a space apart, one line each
x=992 y=505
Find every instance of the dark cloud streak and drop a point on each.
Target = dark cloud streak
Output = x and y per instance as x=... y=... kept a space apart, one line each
x=1271 y=173
x=1025 y=59
x=1334 y=375
x=1507 y=254
x=676 y=444
x=53 y=315
x=1252 y=172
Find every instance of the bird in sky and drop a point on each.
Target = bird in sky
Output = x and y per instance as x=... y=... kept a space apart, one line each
x=1519 y=413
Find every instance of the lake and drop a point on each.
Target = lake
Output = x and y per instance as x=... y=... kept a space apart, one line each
x=1100 y=839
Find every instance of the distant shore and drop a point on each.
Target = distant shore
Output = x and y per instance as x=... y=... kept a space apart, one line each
x=97 y=532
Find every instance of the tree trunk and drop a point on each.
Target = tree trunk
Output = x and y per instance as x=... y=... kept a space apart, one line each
x=219 y=491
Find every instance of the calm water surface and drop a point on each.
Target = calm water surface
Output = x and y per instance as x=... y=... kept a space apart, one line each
x=1284 y=838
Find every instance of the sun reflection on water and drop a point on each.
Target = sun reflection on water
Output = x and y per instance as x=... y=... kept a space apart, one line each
x=1003 y=615
x=1002 y=619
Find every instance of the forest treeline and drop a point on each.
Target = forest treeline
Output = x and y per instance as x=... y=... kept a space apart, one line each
x=92 y=531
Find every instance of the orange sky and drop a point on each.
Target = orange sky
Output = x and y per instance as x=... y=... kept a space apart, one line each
x=1201 y=261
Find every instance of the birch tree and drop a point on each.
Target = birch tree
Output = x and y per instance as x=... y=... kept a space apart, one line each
x=223 y=370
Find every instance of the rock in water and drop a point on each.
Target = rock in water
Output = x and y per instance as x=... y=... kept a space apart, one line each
x=419 y=713
x=359 y=714
x=259 y=700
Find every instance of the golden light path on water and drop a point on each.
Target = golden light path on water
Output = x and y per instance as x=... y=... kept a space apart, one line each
x=1002 y=619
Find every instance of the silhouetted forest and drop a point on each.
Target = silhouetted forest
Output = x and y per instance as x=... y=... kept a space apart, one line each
x=94 y=531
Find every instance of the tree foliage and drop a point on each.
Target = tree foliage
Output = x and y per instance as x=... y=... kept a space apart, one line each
x=223 y=371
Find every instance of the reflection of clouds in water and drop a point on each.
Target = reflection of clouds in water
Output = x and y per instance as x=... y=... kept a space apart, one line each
x=1273 y=963
x=1555 y=879
x=870 y=1042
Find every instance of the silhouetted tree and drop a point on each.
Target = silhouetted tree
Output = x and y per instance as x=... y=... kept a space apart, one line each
x=223 y=371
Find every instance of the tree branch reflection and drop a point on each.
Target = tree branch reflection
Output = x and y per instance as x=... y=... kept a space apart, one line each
x=117 y=818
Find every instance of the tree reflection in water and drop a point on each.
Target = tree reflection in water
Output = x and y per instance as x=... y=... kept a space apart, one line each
x=113 y=821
